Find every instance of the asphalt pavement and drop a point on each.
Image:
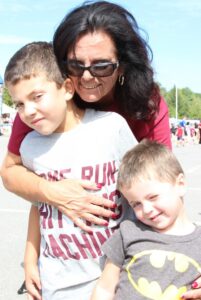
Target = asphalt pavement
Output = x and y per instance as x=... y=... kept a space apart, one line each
x=13 y=226
x=14 y=217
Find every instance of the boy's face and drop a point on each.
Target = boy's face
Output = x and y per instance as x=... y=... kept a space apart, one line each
x=157 y=204
x=40 y=104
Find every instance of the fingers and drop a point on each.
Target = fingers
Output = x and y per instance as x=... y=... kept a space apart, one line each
x=97 y=212
x=192 y=294
x=99 y=207
x=33 y=291
x=90 y=218
x=34 y=295
x=91 y=203
x=195 y=292
x=79 y=205
x=96 y=200
x=37 y=282
x=88 y=204
x=92 y=213
x=30 y=297
x=197 y=283
x=88 y=185
x=80 y=223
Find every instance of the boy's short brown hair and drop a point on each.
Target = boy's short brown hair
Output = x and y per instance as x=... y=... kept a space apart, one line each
x=32 y=60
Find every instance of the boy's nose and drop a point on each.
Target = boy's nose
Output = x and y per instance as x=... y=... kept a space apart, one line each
x=30 y=109
x=147 y=208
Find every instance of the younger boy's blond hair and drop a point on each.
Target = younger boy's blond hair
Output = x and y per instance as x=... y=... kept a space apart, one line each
x=147 y=161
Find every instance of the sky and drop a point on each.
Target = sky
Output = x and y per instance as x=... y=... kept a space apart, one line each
x=172 y=28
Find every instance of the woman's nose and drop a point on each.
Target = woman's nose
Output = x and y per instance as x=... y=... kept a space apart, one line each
x=87 y=75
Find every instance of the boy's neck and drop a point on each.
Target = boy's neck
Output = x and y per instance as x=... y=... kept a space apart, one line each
x=182 y=226
x=73 y=116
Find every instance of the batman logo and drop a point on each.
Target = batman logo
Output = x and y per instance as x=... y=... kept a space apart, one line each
x=164 y=262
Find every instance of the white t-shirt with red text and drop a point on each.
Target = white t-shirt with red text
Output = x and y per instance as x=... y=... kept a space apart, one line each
x=70 y=259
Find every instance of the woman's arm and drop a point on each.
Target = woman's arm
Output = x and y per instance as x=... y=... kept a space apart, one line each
x=32 y=251
x=105 y=287
x=19 y=131
x=68 y=196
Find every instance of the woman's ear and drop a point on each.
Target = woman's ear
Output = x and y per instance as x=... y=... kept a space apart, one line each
x=68 y=85
x=181 y=184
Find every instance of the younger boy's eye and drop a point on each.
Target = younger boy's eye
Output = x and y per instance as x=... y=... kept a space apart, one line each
x=153 y=197
x=135 y=204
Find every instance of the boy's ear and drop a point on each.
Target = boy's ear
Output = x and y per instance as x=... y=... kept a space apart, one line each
x=69 y=89
x=181 y=183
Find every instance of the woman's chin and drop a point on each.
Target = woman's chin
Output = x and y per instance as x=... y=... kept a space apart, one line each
x=91 y=99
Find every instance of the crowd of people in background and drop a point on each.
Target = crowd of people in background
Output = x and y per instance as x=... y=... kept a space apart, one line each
x=185 y=132
x=6 y=122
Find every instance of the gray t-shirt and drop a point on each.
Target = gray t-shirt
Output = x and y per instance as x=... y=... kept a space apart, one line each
x=70 y=259
x=153 y=265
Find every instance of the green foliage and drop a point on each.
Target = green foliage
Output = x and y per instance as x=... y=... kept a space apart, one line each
x=6 y=97
x=189 y=103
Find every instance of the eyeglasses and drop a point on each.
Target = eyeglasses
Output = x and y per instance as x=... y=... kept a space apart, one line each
x=102 y=69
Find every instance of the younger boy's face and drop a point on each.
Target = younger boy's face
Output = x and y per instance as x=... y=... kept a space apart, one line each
x=40 y=104
x=156 y=204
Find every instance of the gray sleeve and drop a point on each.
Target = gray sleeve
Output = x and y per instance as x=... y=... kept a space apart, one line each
x=113 y=249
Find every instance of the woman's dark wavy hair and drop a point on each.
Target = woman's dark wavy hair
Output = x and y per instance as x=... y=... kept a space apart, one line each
x=139 y=96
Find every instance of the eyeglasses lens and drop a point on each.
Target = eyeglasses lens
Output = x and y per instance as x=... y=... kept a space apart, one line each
x=97 y=70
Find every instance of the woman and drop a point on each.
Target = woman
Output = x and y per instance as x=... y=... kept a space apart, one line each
x=99 y=47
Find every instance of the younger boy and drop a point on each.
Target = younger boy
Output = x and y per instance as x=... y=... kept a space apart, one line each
x=67 y=142
x=156 y=256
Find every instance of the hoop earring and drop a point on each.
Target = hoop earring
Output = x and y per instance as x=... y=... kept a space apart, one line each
x=121 y=79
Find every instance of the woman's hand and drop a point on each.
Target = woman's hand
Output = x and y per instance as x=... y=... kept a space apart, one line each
x=72 y=198
x=195 y=292
x=33 y=283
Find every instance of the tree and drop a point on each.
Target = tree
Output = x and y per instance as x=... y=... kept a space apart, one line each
x=170 y=99
x=189 y=103
x=6 y=97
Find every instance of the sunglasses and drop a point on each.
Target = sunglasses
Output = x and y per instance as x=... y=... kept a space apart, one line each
x=102 y=69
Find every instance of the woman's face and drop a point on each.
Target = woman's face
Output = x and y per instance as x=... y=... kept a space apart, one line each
x=94 y=48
